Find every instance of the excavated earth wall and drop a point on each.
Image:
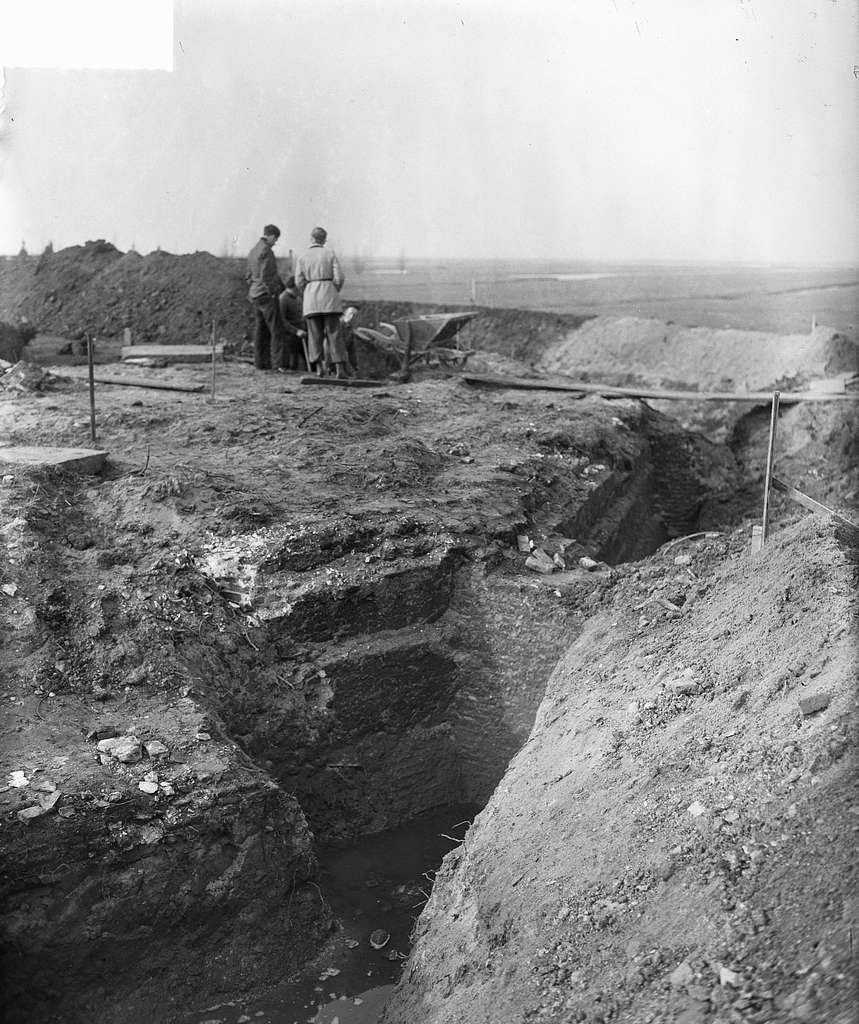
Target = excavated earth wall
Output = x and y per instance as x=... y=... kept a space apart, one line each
x=675 y=840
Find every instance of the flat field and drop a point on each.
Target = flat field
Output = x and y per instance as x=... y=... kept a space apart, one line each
x=782 y=299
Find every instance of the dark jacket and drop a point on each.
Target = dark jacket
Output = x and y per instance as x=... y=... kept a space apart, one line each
x=290 y=310
x=262 y=272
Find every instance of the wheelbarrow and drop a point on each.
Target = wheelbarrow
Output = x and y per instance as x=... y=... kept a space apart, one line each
x=416 y=339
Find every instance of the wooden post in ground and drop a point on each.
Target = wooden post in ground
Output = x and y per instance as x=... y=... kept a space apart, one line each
x=407 y=351
x=769 y=470
x=89 y=349
x=213 y=360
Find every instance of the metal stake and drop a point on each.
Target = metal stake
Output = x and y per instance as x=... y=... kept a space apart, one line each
x=769 y=471
x=91 y=388
x=213 y=360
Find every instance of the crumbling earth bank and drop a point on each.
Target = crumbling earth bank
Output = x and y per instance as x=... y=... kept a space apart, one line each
x=244 y=606
x=675 y=841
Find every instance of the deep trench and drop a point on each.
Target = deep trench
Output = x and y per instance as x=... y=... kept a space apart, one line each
x=430 y=684
x=427 y=685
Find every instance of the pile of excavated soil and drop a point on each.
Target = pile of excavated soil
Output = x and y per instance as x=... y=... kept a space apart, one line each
x=96 y=289
x=631 y=349
x=676 y=840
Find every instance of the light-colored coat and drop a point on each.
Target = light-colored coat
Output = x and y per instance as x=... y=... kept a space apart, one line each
x=318 y=273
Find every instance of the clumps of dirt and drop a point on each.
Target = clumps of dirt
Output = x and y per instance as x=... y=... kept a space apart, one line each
x=681 y=814
x=24 y=376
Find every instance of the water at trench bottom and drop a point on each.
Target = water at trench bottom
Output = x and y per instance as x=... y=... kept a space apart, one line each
x=381 y=883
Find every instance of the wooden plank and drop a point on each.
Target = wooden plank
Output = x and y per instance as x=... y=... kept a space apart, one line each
x=343 y=382
x=172 y=353
x=156 y=385
x=810 y=503
x=84 y=460
x=610 y=391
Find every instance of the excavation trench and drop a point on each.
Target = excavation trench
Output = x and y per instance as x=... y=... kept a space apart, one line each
x=400 y=700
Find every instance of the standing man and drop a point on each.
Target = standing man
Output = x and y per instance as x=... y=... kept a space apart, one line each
x=293 y=324
x=265 y=286
x=318 y=273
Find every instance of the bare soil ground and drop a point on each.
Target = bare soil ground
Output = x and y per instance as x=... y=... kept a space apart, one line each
x=305 y=613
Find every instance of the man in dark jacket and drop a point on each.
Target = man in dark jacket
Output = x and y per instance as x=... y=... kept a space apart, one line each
x=265 y=286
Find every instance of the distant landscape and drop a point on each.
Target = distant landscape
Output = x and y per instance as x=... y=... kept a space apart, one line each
x=782 y=299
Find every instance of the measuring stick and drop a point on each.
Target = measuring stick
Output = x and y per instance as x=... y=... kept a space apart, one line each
x=91 y=388
x=769 y=471
x=213 y=360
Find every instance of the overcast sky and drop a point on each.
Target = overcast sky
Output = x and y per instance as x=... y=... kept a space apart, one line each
x=583 y=129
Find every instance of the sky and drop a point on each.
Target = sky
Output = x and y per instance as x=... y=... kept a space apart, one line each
x=588 y=130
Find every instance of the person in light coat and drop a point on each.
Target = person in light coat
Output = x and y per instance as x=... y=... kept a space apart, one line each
x=318 y=273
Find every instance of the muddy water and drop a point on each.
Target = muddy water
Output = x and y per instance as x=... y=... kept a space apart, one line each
x=382 y=883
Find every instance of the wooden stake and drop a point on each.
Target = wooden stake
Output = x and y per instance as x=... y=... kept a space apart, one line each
x=91 y=388
x=213 y=360
x=769 y=470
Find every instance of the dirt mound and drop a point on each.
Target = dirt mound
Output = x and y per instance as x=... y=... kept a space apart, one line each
x=673 y=841
x=94 y=288
x=633 y=349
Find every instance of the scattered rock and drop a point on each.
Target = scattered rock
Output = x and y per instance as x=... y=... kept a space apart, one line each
x=156 y=749
x=42 y=785
x=591 y=564
x=682 y=559
x=696 y=809
x=125 y=749
x=103 y=732
x=682 y=975
x=48 y=801
x=524 y=544
x=682 y=686
x=728 y=977
x=379 y=938
x=814 y=702
x=18 y=780
x=29 y=814
x=539 y=561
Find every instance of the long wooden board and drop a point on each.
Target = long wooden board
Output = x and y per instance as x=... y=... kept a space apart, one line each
x=344 y=382
x=157 y=385
x=810 y=503
x=172 y=353
x=610 y=391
